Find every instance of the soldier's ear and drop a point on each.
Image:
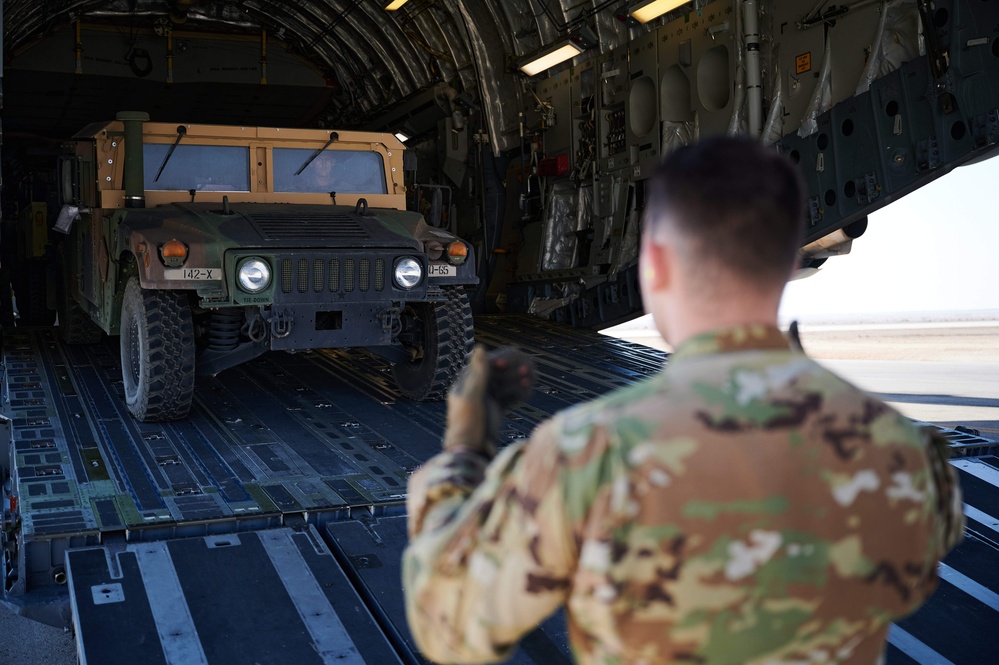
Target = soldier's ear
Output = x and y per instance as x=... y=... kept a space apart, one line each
x=656 y=264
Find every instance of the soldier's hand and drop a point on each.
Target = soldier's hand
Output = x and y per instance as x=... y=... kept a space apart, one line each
x=485 y=391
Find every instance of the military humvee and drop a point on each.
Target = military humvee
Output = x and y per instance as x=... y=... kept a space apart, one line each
x=203 y=246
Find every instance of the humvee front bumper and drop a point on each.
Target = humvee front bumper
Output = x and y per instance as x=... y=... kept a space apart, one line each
x=326 y=325
x=326 y=300
x=318 y=299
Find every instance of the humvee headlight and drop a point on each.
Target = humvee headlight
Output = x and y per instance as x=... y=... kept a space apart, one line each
x=254 y=275
x=408 y=272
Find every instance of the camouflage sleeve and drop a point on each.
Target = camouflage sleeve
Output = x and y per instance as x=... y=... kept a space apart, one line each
x=440 y=487
x=487 y=563
x=949 y=505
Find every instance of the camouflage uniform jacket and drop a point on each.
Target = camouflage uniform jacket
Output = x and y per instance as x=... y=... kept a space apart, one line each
x=745 y=505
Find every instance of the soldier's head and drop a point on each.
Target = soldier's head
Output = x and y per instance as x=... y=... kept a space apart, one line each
x=322 y=169
x=723 y=224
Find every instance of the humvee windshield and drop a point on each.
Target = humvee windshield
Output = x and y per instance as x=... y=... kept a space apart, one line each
x=344 y=171
x=206 y=168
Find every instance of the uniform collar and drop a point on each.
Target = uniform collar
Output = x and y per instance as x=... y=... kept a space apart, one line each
x=756 y=337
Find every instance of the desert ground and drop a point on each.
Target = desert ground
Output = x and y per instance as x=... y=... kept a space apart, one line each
x=944 y=373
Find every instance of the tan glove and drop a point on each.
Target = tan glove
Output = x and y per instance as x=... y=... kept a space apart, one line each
x=484 y=392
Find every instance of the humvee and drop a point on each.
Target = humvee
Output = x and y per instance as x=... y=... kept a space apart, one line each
x=205 y=246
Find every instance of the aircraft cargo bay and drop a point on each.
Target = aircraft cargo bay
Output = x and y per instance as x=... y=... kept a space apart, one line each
x=247 y=245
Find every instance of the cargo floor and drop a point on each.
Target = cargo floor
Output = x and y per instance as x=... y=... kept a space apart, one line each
x=303 y=460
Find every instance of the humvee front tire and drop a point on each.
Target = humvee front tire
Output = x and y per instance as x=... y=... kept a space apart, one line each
x=440 y=336
x=157 y=353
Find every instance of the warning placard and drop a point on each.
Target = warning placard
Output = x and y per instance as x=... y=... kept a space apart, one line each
x=803 y=63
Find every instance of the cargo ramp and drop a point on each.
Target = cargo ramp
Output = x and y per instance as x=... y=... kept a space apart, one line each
x=268 y=527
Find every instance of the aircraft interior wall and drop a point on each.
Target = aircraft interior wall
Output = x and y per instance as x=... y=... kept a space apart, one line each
x=544 y=174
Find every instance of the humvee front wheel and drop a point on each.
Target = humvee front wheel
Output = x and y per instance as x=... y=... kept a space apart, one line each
x=439 y=337
x=157 y=353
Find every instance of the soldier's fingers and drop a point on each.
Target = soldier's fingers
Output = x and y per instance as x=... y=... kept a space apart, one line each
x=513 y=376
x=478 y=356
x=474 y=377
x=478 y=363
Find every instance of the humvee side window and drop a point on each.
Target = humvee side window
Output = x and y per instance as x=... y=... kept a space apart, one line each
x=341 y=171
x=206 y=168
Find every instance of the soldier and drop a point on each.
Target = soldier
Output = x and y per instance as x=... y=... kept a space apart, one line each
x=323 y=171
x=745 y=505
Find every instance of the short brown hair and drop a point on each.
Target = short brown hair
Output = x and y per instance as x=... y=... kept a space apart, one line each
x=739 y=204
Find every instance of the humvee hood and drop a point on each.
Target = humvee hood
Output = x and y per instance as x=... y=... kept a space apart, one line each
x=282 y=225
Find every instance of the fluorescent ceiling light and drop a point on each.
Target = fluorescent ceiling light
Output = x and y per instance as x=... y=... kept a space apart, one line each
x=394 y=5
x=550 y=57
x=650 y=9
x=402 y=136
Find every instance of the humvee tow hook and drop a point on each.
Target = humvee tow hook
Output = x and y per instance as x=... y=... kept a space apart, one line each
x=281 y=324
x=256 y=329
x=391 y=320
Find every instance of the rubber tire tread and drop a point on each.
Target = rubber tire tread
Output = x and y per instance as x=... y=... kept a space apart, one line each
x=75 y=325
x=165 y=386
x=430 y=378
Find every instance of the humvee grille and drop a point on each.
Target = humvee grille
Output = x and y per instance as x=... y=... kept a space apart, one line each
x=303 y=275
x=318 y=281
x=364 y=276
x=286 y=270
x=318 y=225
x=335 y=275
x=348 y=275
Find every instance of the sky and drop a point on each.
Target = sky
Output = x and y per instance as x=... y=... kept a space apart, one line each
x=932 y=254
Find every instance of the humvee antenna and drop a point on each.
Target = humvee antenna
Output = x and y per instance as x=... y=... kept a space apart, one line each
x=181 y=131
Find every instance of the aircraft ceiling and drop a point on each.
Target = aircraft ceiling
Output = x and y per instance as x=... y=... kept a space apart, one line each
x=370 y=59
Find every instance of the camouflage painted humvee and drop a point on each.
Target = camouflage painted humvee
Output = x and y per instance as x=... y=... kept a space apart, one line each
x=205 y=246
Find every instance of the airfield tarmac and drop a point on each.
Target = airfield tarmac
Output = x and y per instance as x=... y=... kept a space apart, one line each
x=942 y=373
